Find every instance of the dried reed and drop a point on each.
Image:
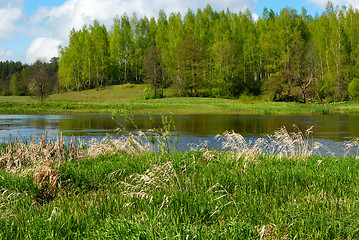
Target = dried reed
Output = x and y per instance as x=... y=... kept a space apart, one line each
x=23 y=154
x=132 y=144
x=280 y=144
x=46 y=178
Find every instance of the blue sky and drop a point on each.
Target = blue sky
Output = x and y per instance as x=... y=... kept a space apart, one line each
x=276 y=5
x=32 y=29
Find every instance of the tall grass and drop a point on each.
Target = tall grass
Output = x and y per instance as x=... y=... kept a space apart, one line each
x=280 y=144
x=114 y=189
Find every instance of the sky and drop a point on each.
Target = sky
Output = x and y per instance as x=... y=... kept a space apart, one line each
x=33 y=29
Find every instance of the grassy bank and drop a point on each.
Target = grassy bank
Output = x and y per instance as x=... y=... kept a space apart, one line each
x=185 y=196
x=115 y=190
x=130 y=98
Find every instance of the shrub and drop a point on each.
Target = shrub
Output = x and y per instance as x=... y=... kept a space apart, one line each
x=353 y=88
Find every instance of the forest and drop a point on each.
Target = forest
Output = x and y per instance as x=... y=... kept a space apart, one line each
x=38 y=79
x=287 y=56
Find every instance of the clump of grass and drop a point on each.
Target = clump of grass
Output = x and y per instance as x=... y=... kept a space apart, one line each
x=42 y=159
x=295 y=144
x=281 y=144
x=159 y=177
x=202 y=147
x=269 y=232
x=46 y=179
x=99 y=147
x=239 y=146
x=160 y=139
x=131 y=143
x=220 y=192
x=20 y=154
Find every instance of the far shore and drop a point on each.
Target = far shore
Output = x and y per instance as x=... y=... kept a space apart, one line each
x=120 y=99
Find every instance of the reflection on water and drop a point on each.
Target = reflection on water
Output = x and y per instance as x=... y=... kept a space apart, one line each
x=329 y=129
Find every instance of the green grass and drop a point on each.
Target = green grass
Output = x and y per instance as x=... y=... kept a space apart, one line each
x=125 y=98
x=130 y=98
x=116 y=92
x=193 y=196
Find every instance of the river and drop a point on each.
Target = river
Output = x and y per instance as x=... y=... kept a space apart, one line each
x=332 y=130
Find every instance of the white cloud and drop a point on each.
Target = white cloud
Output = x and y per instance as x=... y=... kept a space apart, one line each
x=6 y=54
x=76 y=13
x=54 y=24
x=10 y=11
x=354 y=3
x=323 y=3
x=255 y=16
x=42 y=48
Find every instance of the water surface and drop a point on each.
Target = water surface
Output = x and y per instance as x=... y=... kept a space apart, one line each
x=332 y=130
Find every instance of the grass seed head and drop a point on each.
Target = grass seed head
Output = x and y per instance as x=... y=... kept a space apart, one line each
x=280 y=144
x=162 y=177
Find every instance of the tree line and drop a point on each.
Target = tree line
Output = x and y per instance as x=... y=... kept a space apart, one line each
x=38 y=79
x=289 y=56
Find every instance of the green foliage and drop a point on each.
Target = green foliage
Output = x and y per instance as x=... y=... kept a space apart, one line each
x=42 y=79
x=289 y=55
x=227 y=70
x=191 y=65
x=148 y=92
x=221 y=53
x=155 y=71
x=14 y=89
x=353 y=88
x=7 y=71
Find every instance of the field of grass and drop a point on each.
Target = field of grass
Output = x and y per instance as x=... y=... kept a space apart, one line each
x=185 y=196
x=116 y=190
x=130 y=98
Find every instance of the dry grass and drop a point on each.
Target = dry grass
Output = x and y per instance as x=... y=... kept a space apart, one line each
x=131 y=144
x=44 y=152
x=44 y=156
x=294 y=145
x=352 y=147
x=269 y=231
x=208 y=155
x=281 y=144
x=19 y=154
x=239 y=147
x=46 y=179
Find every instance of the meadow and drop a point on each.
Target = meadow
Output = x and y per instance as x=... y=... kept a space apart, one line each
x=124 y=98
x=136 y=187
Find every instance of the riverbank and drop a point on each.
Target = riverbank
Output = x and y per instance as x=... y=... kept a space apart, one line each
x=130 y=99
x=138 y=187
x=201 y=194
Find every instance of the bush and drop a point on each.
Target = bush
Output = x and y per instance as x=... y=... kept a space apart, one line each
x=353 y=88
x=148 y=92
